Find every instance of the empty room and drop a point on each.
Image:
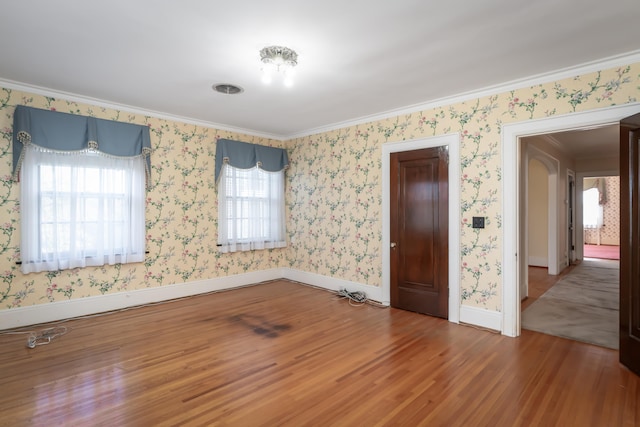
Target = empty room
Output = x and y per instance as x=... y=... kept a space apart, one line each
x=284 y=213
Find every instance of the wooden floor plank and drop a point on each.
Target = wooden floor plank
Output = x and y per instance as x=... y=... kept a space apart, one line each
x=281 y=353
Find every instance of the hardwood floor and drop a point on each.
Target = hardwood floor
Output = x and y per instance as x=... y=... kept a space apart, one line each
x=285 y=354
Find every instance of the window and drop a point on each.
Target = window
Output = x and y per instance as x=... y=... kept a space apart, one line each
x=82 y=189
x=80 y=208
x=593 y=212
x=250 y=209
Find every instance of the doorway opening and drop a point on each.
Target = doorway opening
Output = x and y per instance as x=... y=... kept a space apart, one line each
x=513 y=249
x=581 y=302
x=601 y=217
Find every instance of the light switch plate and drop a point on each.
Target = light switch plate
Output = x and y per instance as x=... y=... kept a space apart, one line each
x=478 y=222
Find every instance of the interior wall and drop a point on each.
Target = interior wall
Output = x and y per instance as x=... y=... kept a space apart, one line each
x=598 y=164
x=337 y=231
x=537 y=215
x=610 y=232
x=333 y=194
x=181 y=214
x=547 y=145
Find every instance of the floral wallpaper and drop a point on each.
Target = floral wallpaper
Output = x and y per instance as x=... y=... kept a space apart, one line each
x=610 y=233
x=333 y=194
x=336 y=184
x=181 y=214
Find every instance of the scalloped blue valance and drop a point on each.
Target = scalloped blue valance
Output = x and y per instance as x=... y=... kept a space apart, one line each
x=243 y=155
x=70 y=132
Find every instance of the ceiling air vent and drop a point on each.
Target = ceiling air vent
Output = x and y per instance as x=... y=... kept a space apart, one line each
x=227 y=89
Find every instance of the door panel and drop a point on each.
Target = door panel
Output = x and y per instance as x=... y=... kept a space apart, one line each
x=419 y=231
x=629 y=243
x=571 y=244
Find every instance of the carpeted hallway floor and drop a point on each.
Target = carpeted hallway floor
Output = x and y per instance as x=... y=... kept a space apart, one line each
x=583 y=305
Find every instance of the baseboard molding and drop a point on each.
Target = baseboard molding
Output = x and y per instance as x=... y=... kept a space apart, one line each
x=60 y=310
x=56 y=311
x=480 y=317
x=331 y=283
x=536 y=261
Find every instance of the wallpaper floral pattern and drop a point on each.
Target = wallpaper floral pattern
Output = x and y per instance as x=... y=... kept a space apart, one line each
x=333 y=194
x=610 y=233
x=181 y=214
x=335 y=183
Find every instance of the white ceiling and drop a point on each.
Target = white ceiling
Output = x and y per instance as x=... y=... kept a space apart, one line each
x=357 y=58
x=599 y=143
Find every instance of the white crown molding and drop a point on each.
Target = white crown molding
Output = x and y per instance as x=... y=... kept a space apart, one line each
x=67 y=96
x=554 y=142
x=589 y=67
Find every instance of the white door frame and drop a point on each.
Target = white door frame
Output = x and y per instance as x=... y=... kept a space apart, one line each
x=552 y=165
x=452 y=141
x=511 y=154
x=571 y=218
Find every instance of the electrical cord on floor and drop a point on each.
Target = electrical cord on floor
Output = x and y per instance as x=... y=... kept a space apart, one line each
x=355 y=298
x=41 y=338
x=45 y=336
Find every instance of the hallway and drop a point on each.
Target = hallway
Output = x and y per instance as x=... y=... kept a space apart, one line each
x=581 y=304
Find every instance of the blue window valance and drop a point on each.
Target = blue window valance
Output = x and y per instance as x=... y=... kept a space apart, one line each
x=70 y=132
x=243 y=155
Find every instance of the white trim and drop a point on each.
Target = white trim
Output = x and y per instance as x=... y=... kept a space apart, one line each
x=333 y=284
x=55 y=311
x=453 y=142
x=60 y=310
x=569 y=72
x=565 y=73
x=538 y=261
x=481 y=317
x=511 y=134
x=552 y=165
x=571 y=219
x=67 y=96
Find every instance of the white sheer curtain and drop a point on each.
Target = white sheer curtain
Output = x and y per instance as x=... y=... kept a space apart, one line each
x=593 y=215
x=250 y=209
x=80 y=208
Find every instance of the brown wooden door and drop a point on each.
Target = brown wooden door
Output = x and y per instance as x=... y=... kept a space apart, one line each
x=419 y=231
x=629 y=243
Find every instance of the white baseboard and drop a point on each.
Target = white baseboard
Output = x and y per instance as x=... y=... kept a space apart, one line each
x=481 y=317
x=537 y=261
x=59 y=310
x=331 y=283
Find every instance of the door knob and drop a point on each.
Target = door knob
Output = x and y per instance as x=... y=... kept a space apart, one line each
x=393 y=245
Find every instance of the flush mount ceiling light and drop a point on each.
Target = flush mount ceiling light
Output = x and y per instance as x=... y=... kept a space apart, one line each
x=278 y=60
